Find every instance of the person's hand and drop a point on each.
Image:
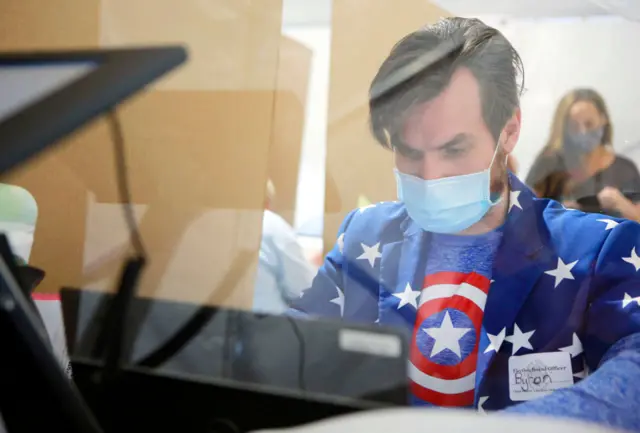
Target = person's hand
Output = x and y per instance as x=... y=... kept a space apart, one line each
x=610 y=198
x=571 y=204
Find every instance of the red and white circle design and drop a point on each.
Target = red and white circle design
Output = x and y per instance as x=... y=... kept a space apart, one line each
x=451 y=305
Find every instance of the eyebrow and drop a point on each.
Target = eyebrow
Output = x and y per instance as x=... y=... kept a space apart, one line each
x=460 y=138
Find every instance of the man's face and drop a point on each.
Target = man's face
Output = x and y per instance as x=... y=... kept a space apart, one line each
x=447 y=136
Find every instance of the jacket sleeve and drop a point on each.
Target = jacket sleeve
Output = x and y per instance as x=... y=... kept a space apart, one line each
x=326 y=296
x=611 y=341
x=614 y=308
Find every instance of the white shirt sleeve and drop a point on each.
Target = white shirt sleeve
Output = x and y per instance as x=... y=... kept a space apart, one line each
x=292 y=270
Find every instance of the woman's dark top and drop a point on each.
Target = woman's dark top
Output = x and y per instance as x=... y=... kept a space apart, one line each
x=550 y=174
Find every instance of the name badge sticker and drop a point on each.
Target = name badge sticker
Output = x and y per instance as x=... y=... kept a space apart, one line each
x=538 y=374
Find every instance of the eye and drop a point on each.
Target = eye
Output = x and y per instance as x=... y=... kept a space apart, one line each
x=453 y=151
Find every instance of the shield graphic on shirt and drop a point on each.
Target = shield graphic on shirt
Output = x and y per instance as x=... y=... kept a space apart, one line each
x=444 y=348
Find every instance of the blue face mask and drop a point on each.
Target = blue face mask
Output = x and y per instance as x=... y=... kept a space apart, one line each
x=583 y=142
x=447 y=205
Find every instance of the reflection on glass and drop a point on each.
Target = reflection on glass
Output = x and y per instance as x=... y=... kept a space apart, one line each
x=402 y=159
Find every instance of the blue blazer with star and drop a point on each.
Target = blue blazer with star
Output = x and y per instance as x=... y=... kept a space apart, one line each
x=570 y=277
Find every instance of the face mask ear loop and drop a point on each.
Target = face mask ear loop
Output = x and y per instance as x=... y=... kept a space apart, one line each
x=495 y=152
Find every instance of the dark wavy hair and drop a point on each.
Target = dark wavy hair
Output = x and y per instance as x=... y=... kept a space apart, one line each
x=420 y=66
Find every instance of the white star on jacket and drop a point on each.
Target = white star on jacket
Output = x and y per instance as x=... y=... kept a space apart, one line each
x=408 y=297
x=633 y=259
x=629 y=300
x=513 y=200
x=519 y=339
x=576 y=347
x=481 y=402
x=446 y=336
x=339 y=301
x=495 y=341
x=370 y=253
x=341 y=243
x=364 y=208
x=610 y=223
x=562 y=272
x=581 y=374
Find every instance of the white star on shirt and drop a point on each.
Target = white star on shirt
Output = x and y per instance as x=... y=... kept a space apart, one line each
x=629 y=300
x=633 y=259
x=446 y=336
x=513 y=200
x=364 y=208
x=370 y=253
x=481 y=402
x=562 y=272
x=610 y=223
x=340 y=243
x=408 y=297
x=576 y=347
x=519 y=339
x=495 y=341
x=339 y=301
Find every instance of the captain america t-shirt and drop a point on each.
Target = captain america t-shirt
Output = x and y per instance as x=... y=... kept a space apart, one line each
x=444 y=348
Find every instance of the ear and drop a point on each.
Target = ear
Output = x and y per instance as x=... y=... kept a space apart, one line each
x=511 y=131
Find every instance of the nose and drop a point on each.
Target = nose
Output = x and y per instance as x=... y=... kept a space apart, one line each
x=432 y=169
x=582 y=128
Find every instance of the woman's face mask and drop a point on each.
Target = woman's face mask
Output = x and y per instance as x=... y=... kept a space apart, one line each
x=583 y=142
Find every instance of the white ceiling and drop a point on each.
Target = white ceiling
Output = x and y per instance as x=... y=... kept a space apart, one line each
x=521 y=8
x=307 y=12
x=318 y=12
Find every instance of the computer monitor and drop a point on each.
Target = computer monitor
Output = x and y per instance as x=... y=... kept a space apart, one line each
x=47 y=95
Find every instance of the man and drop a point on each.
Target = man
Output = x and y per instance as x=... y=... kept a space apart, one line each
x=283 y=271
x=512 y=300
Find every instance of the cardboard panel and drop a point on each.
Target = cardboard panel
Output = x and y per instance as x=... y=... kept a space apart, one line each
x=232 y=43
x=197 y=150
x=294 y=67
x=60 y=24
x=199 y=181
x=355 y=163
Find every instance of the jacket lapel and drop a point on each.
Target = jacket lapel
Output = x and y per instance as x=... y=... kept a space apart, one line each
x=402 y=263
x=524 y=255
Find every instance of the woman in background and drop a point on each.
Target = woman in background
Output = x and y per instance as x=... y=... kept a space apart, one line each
x=578 y=166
